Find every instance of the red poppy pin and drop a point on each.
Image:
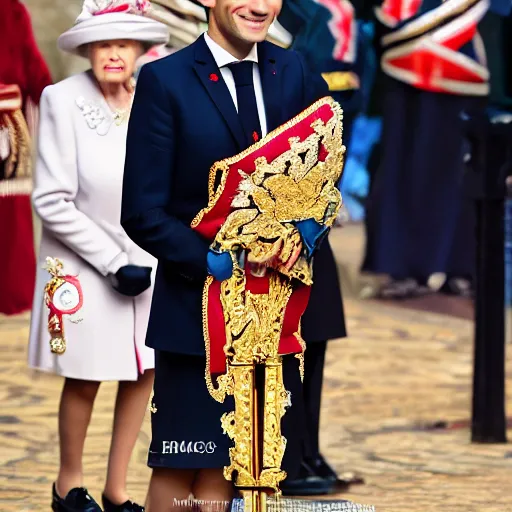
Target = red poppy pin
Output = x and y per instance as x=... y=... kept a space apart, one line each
x=255 y=136
x=214 y=77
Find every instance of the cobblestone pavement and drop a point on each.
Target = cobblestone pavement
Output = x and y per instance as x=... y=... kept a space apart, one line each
x=389 y=389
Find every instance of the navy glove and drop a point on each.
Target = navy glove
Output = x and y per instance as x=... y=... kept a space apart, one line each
x=220 y=265
x=131 y=280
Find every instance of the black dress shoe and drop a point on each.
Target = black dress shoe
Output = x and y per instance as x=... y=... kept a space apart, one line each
x=127 y=506
x=77 y=500
x=321 y=468
x=308 y=483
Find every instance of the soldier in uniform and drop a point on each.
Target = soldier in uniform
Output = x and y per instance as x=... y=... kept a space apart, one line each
x=418 y=223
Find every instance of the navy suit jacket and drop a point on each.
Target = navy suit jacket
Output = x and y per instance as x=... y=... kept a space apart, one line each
x=183 y=120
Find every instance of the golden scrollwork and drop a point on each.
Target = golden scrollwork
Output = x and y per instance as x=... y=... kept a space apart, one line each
x=277 y=399
x=239 y=427
x=298 y=185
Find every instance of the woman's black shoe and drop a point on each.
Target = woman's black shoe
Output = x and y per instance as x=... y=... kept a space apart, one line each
x=127 y=506
x=76 y=500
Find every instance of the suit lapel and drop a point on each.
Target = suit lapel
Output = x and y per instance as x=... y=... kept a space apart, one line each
x=270 y=73
x=211 y=77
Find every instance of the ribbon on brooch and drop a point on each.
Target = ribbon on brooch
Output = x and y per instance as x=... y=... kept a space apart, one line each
x=63 y=296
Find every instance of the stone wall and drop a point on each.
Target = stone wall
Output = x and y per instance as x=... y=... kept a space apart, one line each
x=50 y=18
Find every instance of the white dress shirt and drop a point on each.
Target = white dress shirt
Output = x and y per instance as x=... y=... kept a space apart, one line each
x=222 y=58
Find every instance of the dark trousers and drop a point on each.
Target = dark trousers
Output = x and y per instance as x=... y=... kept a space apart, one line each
x=418 y=220
x=314 y=361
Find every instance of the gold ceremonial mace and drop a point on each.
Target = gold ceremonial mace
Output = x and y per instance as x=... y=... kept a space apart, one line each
x=298 y=184
x=255 y=498
x=254 y=377
x=255 y=493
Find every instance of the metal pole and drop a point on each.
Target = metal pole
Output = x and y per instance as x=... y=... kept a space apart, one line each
x=490 y=161
x=488 y=422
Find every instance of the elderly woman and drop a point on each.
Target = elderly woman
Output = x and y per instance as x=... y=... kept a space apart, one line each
x=77 y=194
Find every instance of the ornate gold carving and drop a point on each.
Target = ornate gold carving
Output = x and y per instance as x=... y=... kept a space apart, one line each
x=295 y=186
x=221 y=168
x=276 y=401
x=239 y=427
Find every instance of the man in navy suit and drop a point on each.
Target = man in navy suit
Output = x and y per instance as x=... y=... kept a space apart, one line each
x=202 y=104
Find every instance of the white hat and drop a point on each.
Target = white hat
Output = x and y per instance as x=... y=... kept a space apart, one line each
x=106 y=20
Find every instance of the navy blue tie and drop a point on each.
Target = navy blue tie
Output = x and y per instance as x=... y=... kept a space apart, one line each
x=246 y=99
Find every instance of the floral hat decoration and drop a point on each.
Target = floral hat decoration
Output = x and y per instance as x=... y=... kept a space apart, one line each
x=107 y=20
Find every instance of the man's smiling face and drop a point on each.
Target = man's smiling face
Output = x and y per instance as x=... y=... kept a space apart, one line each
x=244 y=22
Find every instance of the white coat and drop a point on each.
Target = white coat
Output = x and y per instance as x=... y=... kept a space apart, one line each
x=77 y=195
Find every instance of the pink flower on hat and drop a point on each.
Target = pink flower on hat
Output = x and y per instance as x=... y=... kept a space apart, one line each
x=97 y=7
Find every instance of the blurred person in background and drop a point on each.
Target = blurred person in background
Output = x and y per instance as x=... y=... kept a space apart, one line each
x=23 y=76
x=420 y=228
x=77 y=195
x=325 y=34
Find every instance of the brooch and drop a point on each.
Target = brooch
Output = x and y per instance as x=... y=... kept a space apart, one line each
x=94 y=116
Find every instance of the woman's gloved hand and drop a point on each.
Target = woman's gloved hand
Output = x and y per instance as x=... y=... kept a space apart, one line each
x=131 y=280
